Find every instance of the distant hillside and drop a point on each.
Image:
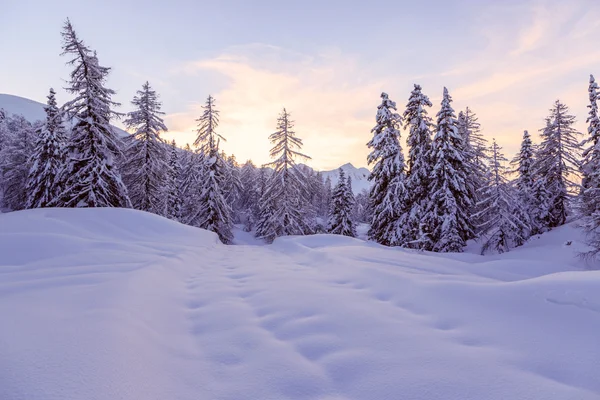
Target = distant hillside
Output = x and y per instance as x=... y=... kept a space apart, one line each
x=359 y=177
x=30 y=109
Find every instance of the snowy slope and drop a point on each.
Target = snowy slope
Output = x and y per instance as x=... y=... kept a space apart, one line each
x=31 y=110
x=359 y=177
x=119 y=304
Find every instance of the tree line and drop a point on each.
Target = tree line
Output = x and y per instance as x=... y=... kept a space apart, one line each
x=453 y=185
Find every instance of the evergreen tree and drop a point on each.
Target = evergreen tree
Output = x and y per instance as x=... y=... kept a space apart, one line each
x=214 y=213
x=419 y=127
x=557 y=162
x=248 y=202
x=505 y=223
x=284 y=200
x=48 y=158
x=524 y=183
x=388 y=195
x=90 y=178
x=191 y=183
x=173 y=201
x=145 y=161
x=340 y=218
x=15 y=162
x=591 y=156
x=476 y=159
x=446 y=218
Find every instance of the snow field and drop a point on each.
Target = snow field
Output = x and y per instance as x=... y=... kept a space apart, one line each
x=120 y=304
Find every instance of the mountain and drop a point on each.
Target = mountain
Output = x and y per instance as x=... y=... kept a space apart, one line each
x=31 y=110
x=359 y=177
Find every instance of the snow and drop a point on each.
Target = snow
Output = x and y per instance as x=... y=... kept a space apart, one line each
x=120 y=304
x=359 y=177
x=32 y=110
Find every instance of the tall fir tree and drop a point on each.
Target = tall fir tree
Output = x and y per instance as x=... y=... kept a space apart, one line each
x=591 y=156
x=284 y=201
x=476 y=158
x=523 y=165
x=48 y=158
x=145 y=156
x=340 y=218
x=173 y=201
x=505 y=222
x=419 y=126
x=589 y=204
x=214 y=213
x=90 y=178
x=446 y=219
x=388 y=195
x=557 y=162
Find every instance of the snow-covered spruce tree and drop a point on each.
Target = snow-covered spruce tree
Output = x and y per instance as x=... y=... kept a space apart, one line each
x=90 y=178
x=557 y=162
x=589 y=204
x=590 y=166
x=48 y=158
x=191 y=183
x=145 y=158
x=247 y=206
x=388 y=195
x=523 y=165
x=233 y=185
x=419 y=126
x=214 y=213
x=145 y=154
x=340 y=217
x=284 y=201
x=172 y=191
x=446 y=218
x=476 y=158
x=504 y=221
x=15 y=161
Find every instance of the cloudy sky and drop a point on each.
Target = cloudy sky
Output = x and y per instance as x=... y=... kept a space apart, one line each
x=326 y=61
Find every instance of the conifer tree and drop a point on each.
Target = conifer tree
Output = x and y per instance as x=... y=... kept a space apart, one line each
x=476 y=159
x=214 y=213
x=48 y=158
x=419 y=126
x=505 y=223
x=388 y=195
x=590 y=169
x=145 y=158
x=284 y=201
x=248 y=203
x=340 y=218
x=173 y=201
x=191 y=183
x=557 y=162
x=90 y=178
x=15 y=161
x=446 y=218
x=524 y=183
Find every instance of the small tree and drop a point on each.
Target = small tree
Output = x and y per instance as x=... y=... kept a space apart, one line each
x=340 y=218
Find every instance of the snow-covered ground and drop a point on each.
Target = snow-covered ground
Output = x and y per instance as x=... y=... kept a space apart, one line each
x=119 y=304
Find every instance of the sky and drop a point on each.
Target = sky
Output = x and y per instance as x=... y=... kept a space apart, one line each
x=326 y=62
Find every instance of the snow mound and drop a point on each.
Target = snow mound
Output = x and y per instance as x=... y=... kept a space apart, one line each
x=106 y=304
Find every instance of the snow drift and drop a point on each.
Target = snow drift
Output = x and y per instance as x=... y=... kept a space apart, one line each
x=119 y=304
